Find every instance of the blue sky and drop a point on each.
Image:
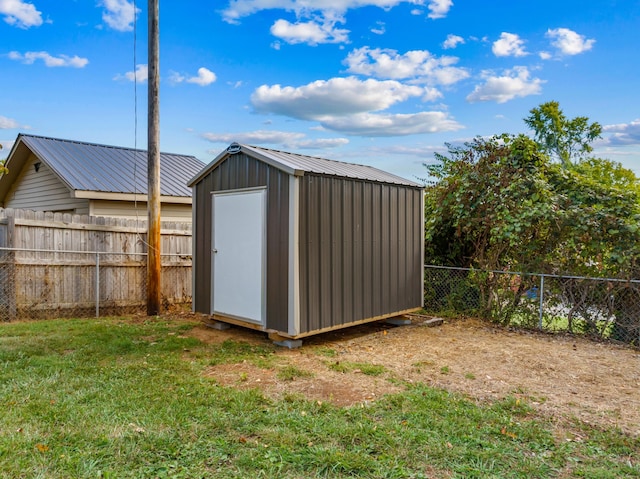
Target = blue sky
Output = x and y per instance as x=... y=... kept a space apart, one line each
x=379 y=82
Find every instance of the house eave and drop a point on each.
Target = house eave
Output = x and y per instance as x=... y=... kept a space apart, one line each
x=101 y=195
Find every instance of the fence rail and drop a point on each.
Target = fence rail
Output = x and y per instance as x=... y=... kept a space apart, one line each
x=602 y=308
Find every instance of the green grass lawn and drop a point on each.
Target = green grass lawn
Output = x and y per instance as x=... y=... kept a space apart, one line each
x=114 y=398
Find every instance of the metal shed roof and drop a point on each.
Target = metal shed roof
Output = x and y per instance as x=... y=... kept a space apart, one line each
x=92 y=167
x=296 y=164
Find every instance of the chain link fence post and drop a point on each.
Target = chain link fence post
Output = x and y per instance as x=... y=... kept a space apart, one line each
x=540 y=325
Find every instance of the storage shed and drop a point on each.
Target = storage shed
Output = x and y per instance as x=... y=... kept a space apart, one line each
x=297 y=245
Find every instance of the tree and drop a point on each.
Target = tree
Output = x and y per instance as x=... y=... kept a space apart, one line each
x=561 y=138
x=501 y=203
x=491 y=206
x=3 y=169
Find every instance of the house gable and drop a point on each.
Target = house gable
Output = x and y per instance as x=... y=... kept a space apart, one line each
x=37 y=187
x=49 y=174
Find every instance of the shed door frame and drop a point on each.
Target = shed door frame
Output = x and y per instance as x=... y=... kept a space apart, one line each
x=239 y=254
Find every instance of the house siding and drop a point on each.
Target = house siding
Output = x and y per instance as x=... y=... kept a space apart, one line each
x=132 y=210
x=42 y=191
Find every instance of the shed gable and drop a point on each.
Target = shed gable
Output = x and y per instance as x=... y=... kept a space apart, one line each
x=241 y=171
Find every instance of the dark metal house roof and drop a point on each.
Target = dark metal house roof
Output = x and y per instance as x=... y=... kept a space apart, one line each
x=110 y=169
x=298 y=165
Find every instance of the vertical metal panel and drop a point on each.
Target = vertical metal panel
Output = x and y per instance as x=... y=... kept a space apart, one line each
x=313 y=217
x=376 y=238
x=395 y=253
x=236 y=172
x=360 y=250
x=385 y=245
x=337 y=254
x=347 y=231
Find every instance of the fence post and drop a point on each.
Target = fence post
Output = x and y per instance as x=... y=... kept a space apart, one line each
x=541 y=300
x=97 y=284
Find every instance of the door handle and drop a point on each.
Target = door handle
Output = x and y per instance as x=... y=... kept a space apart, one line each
x=214 y=250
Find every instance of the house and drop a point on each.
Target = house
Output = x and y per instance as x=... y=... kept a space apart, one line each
x=295 y=245
x=50 y=174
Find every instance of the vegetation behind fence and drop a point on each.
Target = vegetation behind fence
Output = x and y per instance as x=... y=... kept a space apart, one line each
x=60 y=265
x=602 y=308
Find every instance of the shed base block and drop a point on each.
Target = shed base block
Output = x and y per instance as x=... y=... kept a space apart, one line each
x=285 y=342
x=219 y=325
x=399 y=321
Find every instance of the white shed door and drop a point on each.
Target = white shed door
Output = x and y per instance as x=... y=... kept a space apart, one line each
x=238 y=254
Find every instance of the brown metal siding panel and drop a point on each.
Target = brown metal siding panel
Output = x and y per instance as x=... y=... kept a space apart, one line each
x=394 y=248
x=237 y=172
x=385 y=249
x=401 y=284
x=313 y=217
x=202 y=246
x=336 y=278
x=277 y=249
x=347 y=235
x=376 y=237
x=360 y=251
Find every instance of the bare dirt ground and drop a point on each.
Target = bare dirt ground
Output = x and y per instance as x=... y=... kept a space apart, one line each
x=560 y=377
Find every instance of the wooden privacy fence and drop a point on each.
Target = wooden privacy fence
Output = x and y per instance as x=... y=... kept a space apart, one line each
x=61 y=265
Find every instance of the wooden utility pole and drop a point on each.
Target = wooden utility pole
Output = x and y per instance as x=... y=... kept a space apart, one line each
x=153 y=164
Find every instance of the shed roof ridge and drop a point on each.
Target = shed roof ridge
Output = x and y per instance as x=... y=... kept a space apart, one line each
x=313 y=157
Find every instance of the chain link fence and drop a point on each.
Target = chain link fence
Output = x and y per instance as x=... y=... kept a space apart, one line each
x=43 y=284
x=599 y=308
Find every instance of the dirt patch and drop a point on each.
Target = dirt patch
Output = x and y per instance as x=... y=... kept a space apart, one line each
x=559 y=376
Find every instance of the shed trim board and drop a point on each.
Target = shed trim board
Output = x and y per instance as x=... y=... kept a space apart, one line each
x=294 y=256
x=239 y=254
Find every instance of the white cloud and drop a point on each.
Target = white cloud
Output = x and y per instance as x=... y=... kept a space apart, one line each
x=119 y=14
x=544 y=55
x=431 y=94
x=29 y=58
x=8 y=123
x=274 y=137
x=255 y=137
x=346 y=105
x=509 y=45
x=375 y=124
x=379 y=29
x=330 y=98
x=416 y=64
x=569 y=42
x=203 y=78
x=20 y=14
x=321 y=143
x=6 y=145
x=141 y=74
x=515 y=83
x=452 y=41
x=623 y=134
x=312 y=32
x=439 y=8
x=238 y=9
